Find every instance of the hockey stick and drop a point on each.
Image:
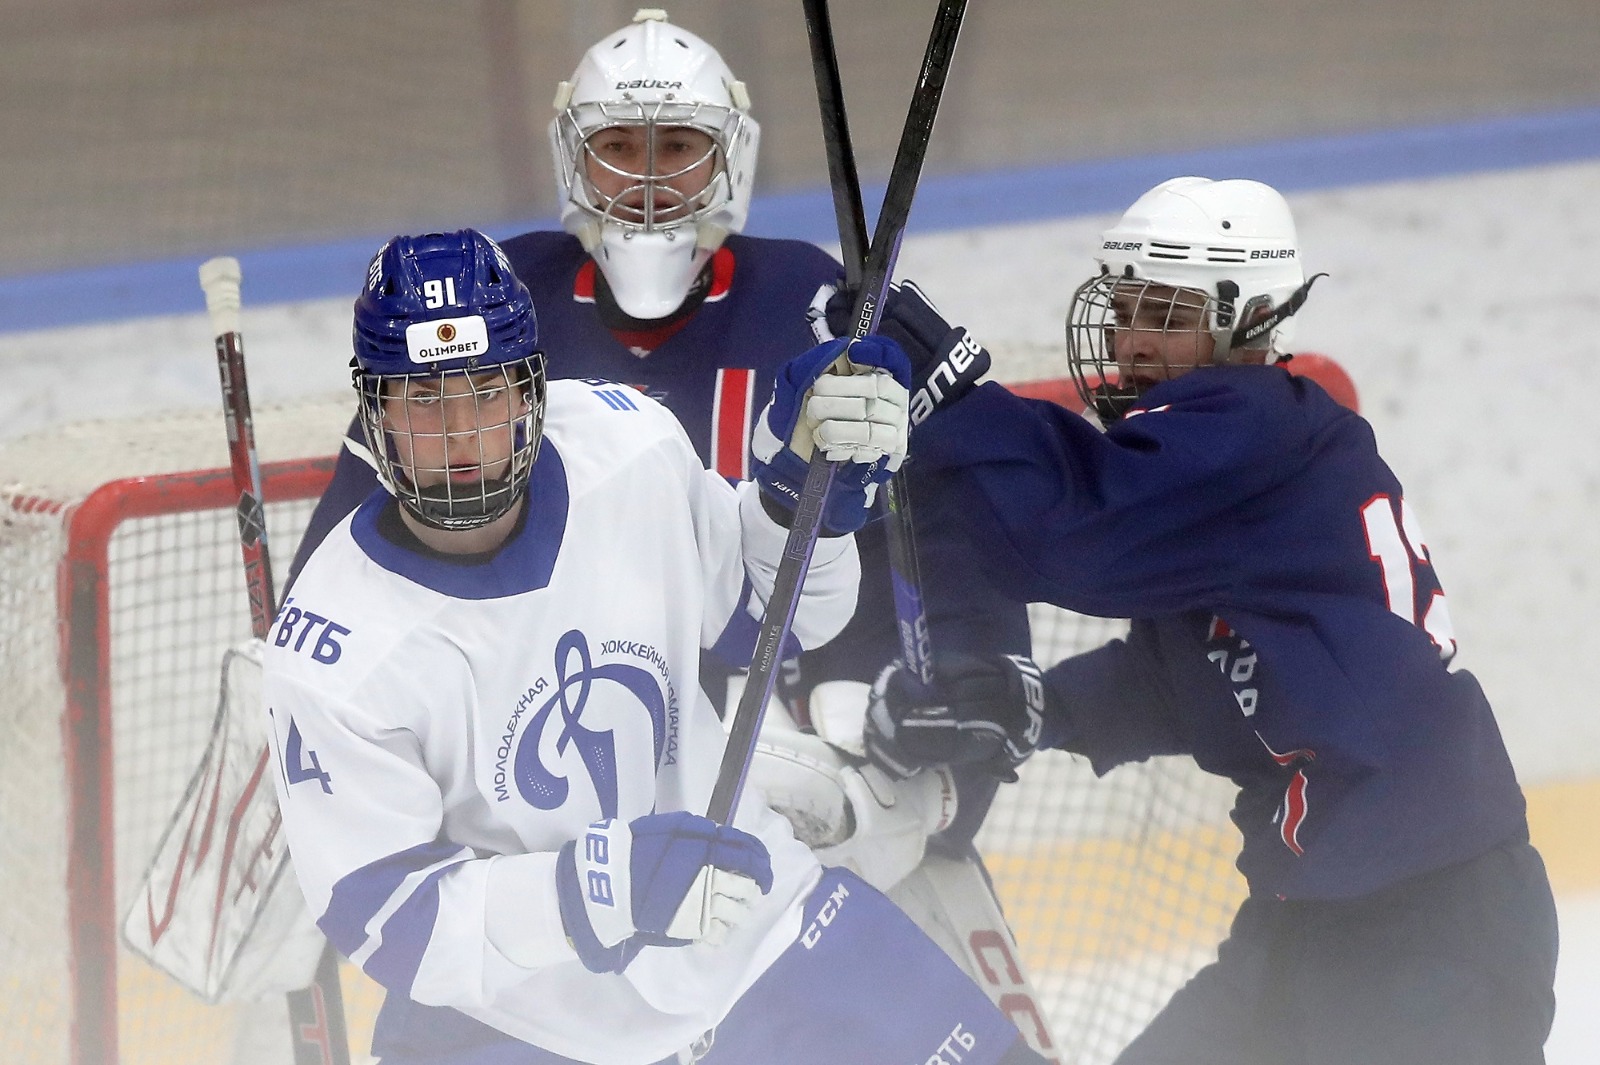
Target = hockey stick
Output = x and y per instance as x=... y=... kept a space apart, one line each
x=948 y=895
x=316 y=1013
x=910 y=611
x=880 y=260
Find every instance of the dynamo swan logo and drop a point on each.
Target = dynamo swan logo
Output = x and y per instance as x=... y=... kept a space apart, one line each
x=577 y=679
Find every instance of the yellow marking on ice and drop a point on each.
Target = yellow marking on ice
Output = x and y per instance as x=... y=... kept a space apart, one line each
x=1168 y=890
x=1564 y=821
x=1177 y=889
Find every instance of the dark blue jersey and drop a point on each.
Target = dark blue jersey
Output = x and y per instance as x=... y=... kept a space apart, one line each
x=1290 y=631
x=714 y=369
x=715 y=372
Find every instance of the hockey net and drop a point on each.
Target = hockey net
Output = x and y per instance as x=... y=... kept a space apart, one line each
x=1118 y=888
x=120 y=593
x=120 y=590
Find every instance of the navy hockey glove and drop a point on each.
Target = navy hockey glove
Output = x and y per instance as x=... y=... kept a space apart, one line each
x=946 y=362
x=858 y=419
x=663 y=880
x=981 y=710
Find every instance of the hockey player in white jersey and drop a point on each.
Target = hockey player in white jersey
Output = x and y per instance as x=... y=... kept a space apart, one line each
x=492 y=746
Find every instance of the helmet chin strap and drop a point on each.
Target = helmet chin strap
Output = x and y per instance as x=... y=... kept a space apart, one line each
x=438 y=508
x=1230 y=339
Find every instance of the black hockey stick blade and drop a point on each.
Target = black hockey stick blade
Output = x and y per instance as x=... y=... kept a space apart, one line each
x=880 y=260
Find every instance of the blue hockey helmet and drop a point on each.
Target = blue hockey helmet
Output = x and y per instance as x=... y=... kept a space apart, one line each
x=451 y=380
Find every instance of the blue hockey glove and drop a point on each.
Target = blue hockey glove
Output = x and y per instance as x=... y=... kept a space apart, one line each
x=946 y=362
x=981 y=710
x=663 y=880
x=858 y=419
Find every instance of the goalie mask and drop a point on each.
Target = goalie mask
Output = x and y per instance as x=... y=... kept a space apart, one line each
x=1196 y=273
x=655 y=155
x=451 y=383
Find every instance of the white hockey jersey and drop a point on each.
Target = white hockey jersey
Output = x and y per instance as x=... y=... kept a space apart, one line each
x=442 y=729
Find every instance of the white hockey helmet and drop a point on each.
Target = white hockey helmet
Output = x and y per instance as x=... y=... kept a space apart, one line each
x=1228 y=247
x=652 y=239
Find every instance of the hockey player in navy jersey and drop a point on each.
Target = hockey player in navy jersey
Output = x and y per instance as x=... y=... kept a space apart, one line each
x=491 y=745
x=1290 y=634
x=652 y=285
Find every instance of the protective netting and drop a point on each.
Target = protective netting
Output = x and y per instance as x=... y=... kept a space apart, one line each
x=33 y=858
x=1117 y=888
x=173 y=602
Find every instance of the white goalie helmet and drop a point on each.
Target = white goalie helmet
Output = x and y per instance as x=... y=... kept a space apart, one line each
x=1225 y=250
x=652 y=210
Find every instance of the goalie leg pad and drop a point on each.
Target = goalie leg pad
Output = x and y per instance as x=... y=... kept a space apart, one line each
x=838 y=993
x=262 y=941
x=839 y=713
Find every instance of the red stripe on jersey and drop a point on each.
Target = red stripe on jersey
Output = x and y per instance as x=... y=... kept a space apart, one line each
x=1294 y=811
x=643 y=341
x=730 y=422
x=721 y=275
x=1219 y=629
x=583 y=285
x=1299 y=754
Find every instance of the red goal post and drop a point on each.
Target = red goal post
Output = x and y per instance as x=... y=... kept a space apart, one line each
x=117 y=601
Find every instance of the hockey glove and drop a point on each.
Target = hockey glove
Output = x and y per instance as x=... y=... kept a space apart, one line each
x=981 y=710
x=857 y=418
x=663 y=880
x=946 y=362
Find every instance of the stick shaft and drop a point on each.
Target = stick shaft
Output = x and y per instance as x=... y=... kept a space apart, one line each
x=316 y=1013
x=246 y=467
x=842 y=175
x=905 y=573
x=219 y=279
x=879 y=264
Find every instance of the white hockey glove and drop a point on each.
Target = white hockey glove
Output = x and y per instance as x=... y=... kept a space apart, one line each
x=663 y=880
x=981 y=710
x=848 y=811
x=946 y=360
x=857 y=418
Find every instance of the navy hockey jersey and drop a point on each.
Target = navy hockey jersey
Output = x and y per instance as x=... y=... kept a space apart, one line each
x=1291 y=633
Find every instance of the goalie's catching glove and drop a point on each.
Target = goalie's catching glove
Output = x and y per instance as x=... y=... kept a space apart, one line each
x=981 y=710
x=665 y=880
x=946 y=362
x=856 y=418
x=848 y=811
